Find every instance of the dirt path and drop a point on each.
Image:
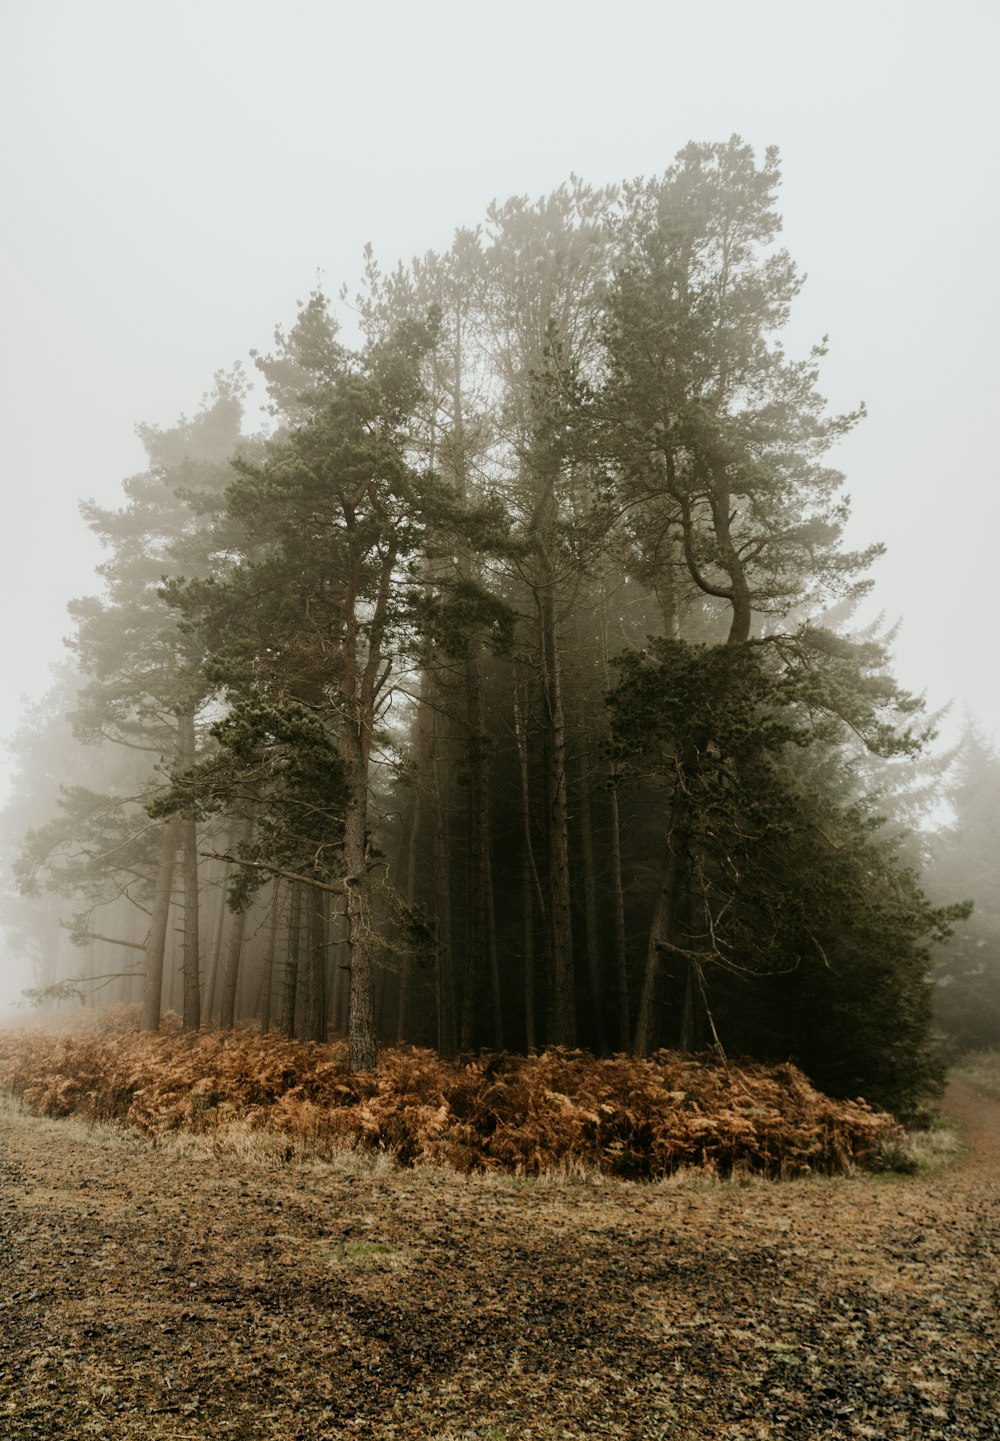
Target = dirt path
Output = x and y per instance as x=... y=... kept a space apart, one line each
x=154 y=1295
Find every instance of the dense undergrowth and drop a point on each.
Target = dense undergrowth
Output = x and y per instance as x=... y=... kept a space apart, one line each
x=640 y=1119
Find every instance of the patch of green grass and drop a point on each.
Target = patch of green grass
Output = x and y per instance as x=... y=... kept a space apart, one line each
x=368 y=1255
x=363 y=1250
x=919 y=1151
x=982 y=1069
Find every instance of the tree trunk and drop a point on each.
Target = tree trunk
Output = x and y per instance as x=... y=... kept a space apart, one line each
x=476 y=929
x=88 y=974
x=410 y=896
x=590 y=902
x=263 y=1007
x=429 y=736
x=662 y=926
x=191 y=1005
x=156 y=944
x=617 y=889
x=361 y=1035
x=231 y=971
x=290 y=986
x=234 y=953
x=215 y=960
x=691 y=1036
x=618 y=901
x=530 y=883
x=491 y=950
x=314 y=978
x=341 y=969
x=561 y=1000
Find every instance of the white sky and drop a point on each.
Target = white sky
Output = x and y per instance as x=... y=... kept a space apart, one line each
x=172 y=176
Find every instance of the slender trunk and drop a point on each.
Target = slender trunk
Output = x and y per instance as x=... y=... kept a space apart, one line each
x=691 y=1032
x=130 y=989
x=491 y=950
x=341 y=969
x=662 y=926
x=362 y=1039
x=618 y=901
x=590 y=902
x=429 y=735
x=694 y=1013
x=528 y=955
x=617 y=889
x=88 y=974
x=530 y=883
x=191 y=1004
x=170 y=960
x=561 y=1007
x=156 y=944
x=231 y=971
x=263 y=1006
x=314 y=979
x=215 y=960
x=410 y=896
x=476 y=920
x=381 y=997
x=288 y=990
x=234 y=951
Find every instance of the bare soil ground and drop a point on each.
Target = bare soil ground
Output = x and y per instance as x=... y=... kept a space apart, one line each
x=162 y=1294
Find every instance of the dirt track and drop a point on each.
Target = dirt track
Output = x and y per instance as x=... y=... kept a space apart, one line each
x=154 y=1295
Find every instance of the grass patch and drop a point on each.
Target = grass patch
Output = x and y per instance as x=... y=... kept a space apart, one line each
x=920 y=1152
x=373 y=1254
x=981 y=1069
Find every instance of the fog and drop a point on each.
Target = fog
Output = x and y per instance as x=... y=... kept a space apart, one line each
x=175 y=177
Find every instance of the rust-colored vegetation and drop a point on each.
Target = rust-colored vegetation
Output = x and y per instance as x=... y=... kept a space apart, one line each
x=640 y=1119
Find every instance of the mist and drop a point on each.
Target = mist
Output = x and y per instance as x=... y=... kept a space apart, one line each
x=179 y=181
x=175 y=180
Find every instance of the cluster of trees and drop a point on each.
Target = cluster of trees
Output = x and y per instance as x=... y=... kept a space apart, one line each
x=501 y=693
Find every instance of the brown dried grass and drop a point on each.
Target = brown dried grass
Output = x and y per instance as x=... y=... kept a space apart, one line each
x=558 y=1111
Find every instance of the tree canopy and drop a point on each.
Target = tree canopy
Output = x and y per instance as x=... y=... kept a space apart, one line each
x=502 y=683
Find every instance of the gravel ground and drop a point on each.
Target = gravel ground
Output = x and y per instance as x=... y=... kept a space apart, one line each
x=168 y=1294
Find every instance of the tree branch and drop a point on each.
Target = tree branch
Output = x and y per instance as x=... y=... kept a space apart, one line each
x=337 y=888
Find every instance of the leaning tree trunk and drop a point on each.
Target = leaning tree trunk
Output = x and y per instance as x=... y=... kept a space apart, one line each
x=152 y=994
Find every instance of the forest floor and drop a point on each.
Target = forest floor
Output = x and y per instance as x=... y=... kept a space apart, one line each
x=170 y=1293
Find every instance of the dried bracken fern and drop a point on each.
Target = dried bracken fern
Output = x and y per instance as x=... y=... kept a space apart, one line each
x=641 y=1119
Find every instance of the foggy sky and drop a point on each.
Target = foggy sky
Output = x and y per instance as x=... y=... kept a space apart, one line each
x=174 y=177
